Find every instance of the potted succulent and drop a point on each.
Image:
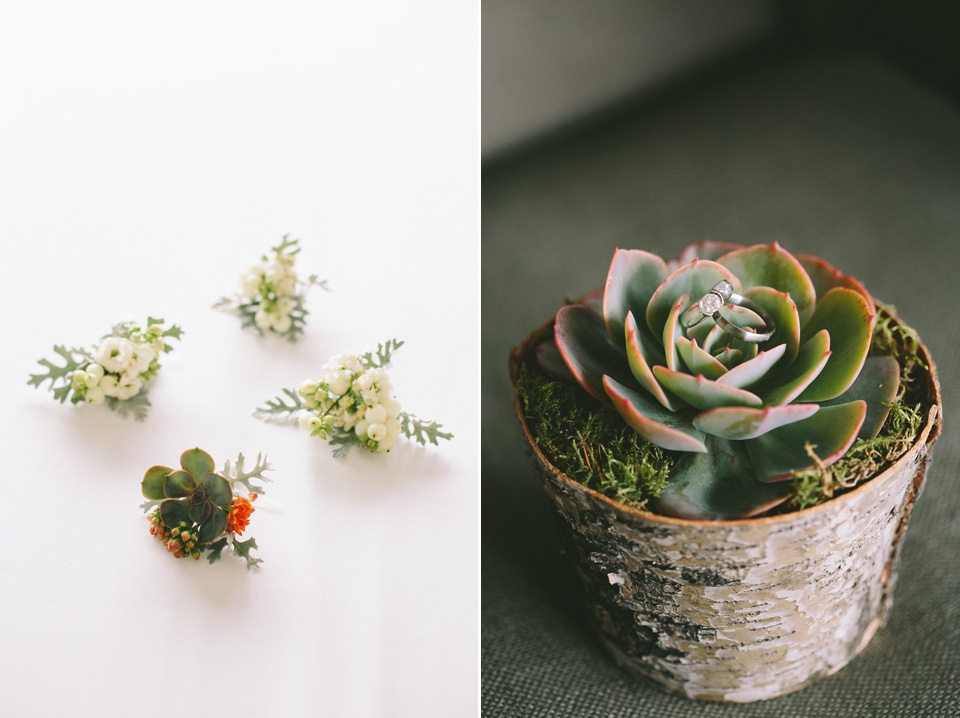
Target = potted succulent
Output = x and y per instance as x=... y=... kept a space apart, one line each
x=732 y=442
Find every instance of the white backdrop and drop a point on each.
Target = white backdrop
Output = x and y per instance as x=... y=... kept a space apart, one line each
x=148 y=154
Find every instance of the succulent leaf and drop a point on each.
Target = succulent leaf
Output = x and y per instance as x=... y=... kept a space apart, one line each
x=673 y=331
x=718 y=484
x=877 y=384
x=173 y=512
x=178 y=484
x=666 y=429
x=633 y=277
x=694 y=279
x=742 y=422
x=152 y=484
x=701 y=330
x=588 y=350
x=715 y=340
x=777 y=454
x=748 y=350
x=825 y=277
x=748 y=319
x=729 y=357
x=783 y=310
x=646 y=345
x=699 y=361
x=845 y=314
x=218 y=490
x=788 y=383
x=548 y=356
x=197 y=462
x=769 y=265
x=594 y=300
x=198 y=513
x=639 y=346
x=704 y=249
x=753 y=370
x=718 y=338
x=700 y=392
x=215 y=525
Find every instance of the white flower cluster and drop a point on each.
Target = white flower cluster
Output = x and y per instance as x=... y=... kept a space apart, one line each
x=120 y=366
x=351 y=397
x=272 y=285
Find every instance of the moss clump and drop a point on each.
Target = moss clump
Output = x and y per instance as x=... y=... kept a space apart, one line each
x=590 y=443
x=868 y=457
x=893 y=338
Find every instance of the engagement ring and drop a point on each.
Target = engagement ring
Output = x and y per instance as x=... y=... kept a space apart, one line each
x=710 y=305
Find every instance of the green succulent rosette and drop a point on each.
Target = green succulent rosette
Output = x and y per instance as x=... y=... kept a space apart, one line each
x=744 y=416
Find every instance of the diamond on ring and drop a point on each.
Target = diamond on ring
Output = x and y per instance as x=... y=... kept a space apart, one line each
x=710 y=303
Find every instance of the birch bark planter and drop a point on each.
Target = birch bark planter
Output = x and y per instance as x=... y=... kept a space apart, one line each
x=739 y=610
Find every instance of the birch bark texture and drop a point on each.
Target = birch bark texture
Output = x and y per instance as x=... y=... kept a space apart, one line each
x=745 y=610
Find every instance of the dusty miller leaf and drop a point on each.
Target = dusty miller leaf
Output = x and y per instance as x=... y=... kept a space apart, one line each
x=137 y=405
x=123 y=329
x=247 y=311
x=342 y=441
x=287 y=244
x=174 y=332
x=56 y=374
x=235 y=473
x=314 y=281
x=421 y=430
x=298 y=319
x=148 y=506
x=216 y=549
x=384 y=354
x=243 y=548
x=278 y=410
x=120 y=329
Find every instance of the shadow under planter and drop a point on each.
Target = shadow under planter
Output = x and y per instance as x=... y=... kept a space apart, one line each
x=740 y=610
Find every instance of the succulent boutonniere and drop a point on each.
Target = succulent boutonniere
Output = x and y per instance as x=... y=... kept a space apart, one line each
x=193 y=509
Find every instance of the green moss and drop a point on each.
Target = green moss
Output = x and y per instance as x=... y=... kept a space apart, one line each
x=868 y=457
x=891 y=338
x=589 y=442
x=806 y=489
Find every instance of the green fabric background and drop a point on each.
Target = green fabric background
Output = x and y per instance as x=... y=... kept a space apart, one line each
x=836 y=154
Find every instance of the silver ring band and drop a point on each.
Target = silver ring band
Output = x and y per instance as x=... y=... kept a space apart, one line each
x=709 y=306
